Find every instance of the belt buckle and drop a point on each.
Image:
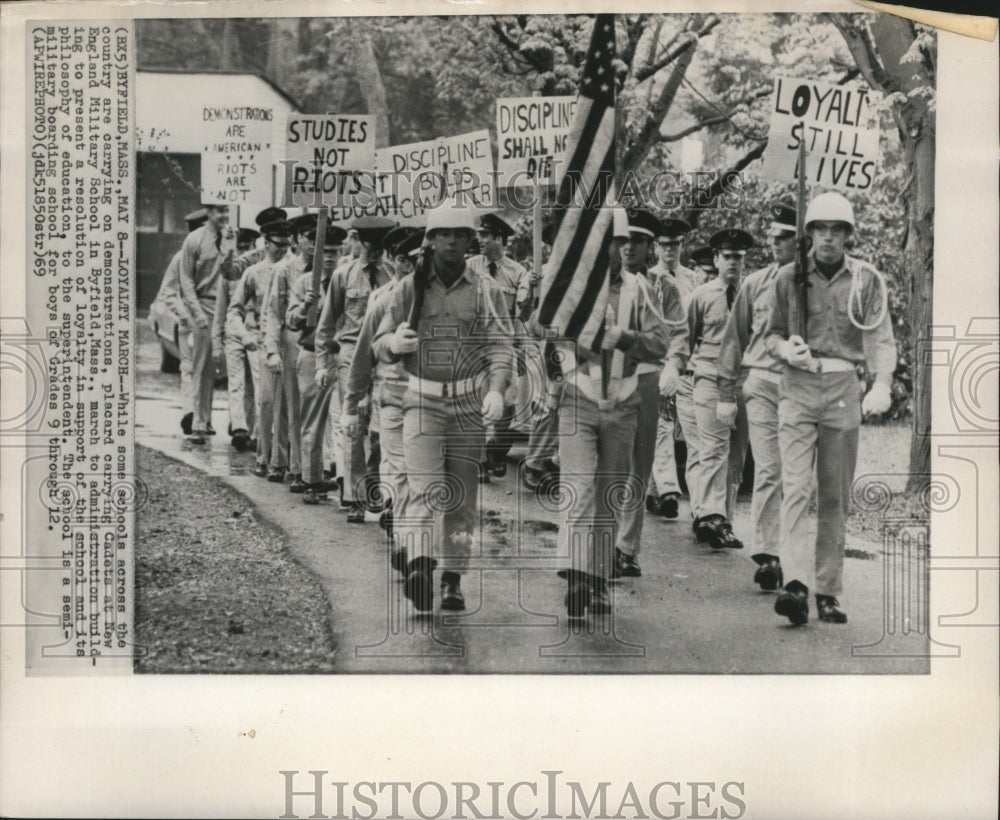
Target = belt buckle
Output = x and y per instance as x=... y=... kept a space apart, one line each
x=445 y=391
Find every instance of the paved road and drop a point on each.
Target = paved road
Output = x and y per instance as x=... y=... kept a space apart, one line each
x=693 y=611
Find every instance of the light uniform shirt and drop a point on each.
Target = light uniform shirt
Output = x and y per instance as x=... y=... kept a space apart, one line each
x=511 y=276
x=671 y=306
x=199 y=270
x=707 y=312
x=170 y=290
x=246 y=310
x=344 y=306
x=276 y=300
x=364 y=364
x=743 y=343
x=459 y=326
x=297 y=315
x=684 y=278
x=830 y=332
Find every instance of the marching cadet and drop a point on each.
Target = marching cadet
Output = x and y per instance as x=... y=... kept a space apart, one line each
x=201 y=254
x=281 y=344
x=493 y=234
x=668 y=250
x=703 y=258
x=596 y=460
x=246 y=316
x=340 y=321
x=386 y=381
x=170 y=294
x=229 y=348
x=846 y=323
x=746 y=367
x=643 y=227
x=315 y=384
x=721 y=448
x=441 y=323
x=664 y=490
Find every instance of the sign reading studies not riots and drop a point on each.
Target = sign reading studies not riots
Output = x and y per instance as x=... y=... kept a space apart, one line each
x=325 y=155
x=838 y=125
x=412 y=178
x=531 y=135
x=236 y=159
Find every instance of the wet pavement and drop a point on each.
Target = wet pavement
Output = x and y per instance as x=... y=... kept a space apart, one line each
x=694 y=610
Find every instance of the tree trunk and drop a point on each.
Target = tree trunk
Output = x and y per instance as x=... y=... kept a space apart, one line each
x=282 y=49
x=879 y=56
x=369 y=77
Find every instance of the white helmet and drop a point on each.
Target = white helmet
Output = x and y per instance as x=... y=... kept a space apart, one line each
x=619 y=223
x=830 y=207
x=450 y=214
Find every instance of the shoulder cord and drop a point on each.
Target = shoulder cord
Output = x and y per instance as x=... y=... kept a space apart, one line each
x=855 y=295
x=670 y=323
x=507 y=327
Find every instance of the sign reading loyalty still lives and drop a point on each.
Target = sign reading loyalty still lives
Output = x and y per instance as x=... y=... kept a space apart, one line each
x=837 y=124
x=412 y=178
x=325 y=152
x=531 y=135
x=236 y=157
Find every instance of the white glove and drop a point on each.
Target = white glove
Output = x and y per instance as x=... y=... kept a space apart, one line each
x=492 y=406
x=878 y=400
x=349 y=425
x=725 y=412
x=274 y=362
x=795 y=351
x=670 y=380
x=404 y=340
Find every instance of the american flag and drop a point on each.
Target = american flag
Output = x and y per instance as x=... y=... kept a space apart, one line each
x=574 y=288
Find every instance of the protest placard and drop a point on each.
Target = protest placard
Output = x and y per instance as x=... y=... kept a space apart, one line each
x=236 y=158
x=838 y=126
x=324 y=154
x=412 y=178
x=531 y=134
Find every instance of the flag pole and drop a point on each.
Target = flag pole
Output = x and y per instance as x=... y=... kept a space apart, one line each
x=606 y=355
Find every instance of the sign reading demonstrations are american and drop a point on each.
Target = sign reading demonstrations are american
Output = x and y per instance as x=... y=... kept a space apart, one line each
x=838 y=126
x=531 y=135
x=326 y=154
x=237 y=157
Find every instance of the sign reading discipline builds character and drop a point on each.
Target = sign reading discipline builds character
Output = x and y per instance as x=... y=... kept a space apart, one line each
x=531 y=135
x=839 y=129
x=325 y=154
x=410 y=179
x=236 y=156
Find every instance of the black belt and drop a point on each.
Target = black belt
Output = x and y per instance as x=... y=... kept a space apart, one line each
x=688 y=373
x=309 y=348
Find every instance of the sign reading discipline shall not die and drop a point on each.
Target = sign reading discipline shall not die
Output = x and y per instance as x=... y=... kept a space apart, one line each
x=531 y=135
x=236 y=158
x=839 y=129
x=324 y=153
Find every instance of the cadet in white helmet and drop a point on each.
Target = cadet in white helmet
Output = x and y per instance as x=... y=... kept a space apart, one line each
x=450 y=329
x=845 y=323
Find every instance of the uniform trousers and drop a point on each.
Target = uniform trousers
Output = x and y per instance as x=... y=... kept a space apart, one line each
x=270 y=406
x=392 y=470
x=314 y=408
x=202 y=377
x=185 y=347
x=595 y=472
x=723 y=451
x=663 y=478
x=442 y=439
x=689 y=426
x=818 y=416
x=292 y=428
x=632 y=515
x=760 y=392
x=353 y=466
x=242 y=410
x=543 y=444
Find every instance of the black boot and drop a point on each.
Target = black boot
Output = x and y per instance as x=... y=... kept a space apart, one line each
x=793 y=603
x=419 y=586
x=451 y=592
